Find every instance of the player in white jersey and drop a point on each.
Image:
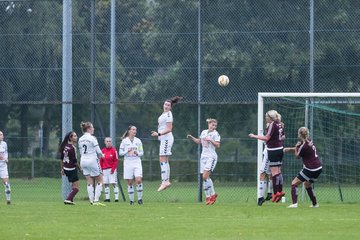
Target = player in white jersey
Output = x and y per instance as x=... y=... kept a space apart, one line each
x=132 y=149
x=210 y=140
x=166 y=138
x=4 y=174
x=89 y=162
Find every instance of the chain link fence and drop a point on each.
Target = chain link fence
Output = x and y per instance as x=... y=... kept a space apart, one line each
x=163 y=49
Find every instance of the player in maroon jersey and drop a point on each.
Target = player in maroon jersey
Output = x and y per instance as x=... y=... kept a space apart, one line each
x=306 y=150
x=274 y=139
x=109 y=165
x=69 y=164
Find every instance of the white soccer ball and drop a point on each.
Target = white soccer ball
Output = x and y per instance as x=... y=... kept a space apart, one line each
x=223 y=80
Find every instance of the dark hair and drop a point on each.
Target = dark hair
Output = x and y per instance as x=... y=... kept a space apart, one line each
x=65 y=141
x=85 y=125
x=173 y=100
x=126 y=133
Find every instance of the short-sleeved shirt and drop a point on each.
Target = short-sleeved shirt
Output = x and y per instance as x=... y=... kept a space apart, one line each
x=68 y=156
x=89 y=147
x=208 y=149
x=307 y=151
x=275 y=131
x=165 y=117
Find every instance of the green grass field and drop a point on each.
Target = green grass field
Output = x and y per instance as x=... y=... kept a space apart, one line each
x=36 y=214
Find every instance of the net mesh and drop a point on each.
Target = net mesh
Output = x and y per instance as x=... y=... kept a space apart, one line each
x=334 y=128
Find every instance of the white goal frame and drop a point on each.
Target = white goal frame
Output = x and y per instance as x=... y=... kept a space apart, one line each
x=261 y=116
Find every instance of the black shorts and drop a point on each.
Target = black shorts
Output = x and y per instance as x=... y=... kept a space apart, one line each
x=275 y=157
x=307 y=175
x=72 y=175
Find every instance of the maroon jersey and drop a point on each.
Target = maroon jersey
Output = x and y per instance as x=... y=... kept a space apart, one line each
x=276 y=133
x=68 y=157
x=307 y=152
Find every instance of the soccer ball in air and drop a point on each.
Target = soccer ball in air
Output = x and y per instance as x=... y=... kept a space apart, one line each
x=223 y=80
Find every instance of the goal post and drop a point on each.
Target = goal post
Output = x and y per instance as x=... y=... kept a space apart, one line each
x=334 y=123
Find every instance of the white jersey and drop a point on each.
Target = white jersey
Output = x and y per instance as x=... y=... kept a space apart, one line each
x=208 y=149
x=165 y=117
x=3 y=151
x=127 y=147
x=89 y=147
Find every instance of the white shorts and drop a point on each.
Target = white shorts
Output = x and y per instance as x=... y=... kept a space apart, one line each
x=90 y=167
x=165 y=146
x=108 y=177
x=3 y=170
x=265 y=168
x=207 y=164
x=132 y=169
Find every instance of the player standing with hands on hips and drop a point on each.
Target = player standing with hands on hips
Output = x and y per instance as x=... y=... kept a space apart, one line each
x=4 y=174
x=306 y=150
x=109 y=165
x=89 y=162
x=166 y=138
x=132 y=149
x=209 y=140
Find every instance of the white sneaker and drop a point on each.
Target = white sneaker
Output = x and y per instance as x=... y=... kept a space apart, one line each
x=314 y=206
x=164 y=186
x=294 y=205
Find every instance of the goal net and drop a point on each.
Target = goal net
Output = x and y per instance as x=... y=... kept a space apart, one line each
x=334 y=123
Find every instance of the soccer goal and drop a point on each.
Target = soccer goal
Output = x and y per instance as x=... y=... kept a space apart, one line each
x=334 y=123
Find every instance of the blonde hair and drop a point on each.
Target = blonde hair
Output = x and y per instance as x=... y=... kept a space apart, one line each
x=85 y=125
x=211 y=120
x=273 y=115
x=303 y=133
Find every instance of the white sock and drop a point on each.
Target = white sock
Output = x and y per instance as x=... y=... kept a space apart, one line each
x=139 y=189
x=206 y=188
x=211 y=187
x=116 y=192
x=107 y=192
x=7 y=191
x=262 y=188
x=270 y=186
x=90 y=190
x=131 y=192
x=164 y=171
x=98 y=190
x=168 y=171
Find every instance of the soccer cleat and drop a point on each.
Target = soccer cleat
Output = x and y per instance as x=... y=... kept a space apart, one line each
x=260 y=201
x=213 y=198
x=314 y=206
x=268 y=197
x=8 y=202
x=99 y=204
x=116 y=200
x=69 y=202
x=279 y=196
x=294 y=205
x=207 y=202
x=164 y=186
x=140 y=202
x=107 y=200
x=131 y=203
x=274 y=196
